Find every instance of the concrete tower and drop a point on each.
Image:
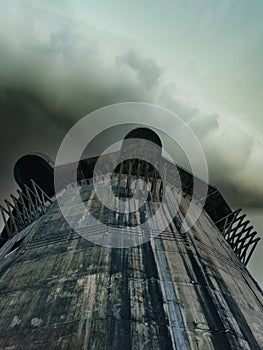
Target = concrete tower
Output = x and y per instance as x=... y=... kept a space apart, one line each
x=174 y=290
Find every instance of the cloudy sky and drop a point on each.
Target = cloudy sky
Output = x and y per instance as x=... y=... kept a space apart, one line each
x=60 y=60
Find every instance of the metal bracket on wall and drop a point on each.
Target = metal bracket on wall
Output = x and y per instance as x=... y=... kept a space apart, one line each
x=240 y=235
x=21 y=211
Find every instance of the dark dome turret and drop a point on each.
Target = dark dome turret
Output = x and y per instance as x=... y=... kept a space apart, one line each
x=39 y=168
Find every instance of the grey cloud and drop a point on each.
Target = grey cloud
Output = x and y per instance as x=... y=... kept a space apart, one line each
x=54 y=71
x=146 y=68
x=171 y=98
x=203 y=124
x=71 y=68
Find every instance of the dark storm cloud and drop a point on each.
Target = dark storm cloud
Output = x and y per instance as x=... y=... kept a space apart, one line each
x=70 y=70
x=54 y=71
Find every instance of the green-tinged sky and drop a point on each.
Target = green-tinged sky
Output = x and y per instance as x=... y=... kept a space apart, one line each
x=214 y=47
x=201 y=59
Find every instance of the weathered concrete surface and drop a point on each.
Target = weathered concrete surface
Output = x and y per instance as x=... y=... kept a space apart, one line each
x=178 y=291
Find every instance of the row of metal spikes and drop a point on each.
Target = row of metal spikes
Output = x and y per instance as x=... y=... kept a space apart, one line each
x=240 y=235
x=23 y=210
x=150 y=173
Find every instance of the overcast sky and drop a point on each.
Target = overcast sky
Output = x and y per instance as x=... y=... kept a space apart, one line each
x=60 y=60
